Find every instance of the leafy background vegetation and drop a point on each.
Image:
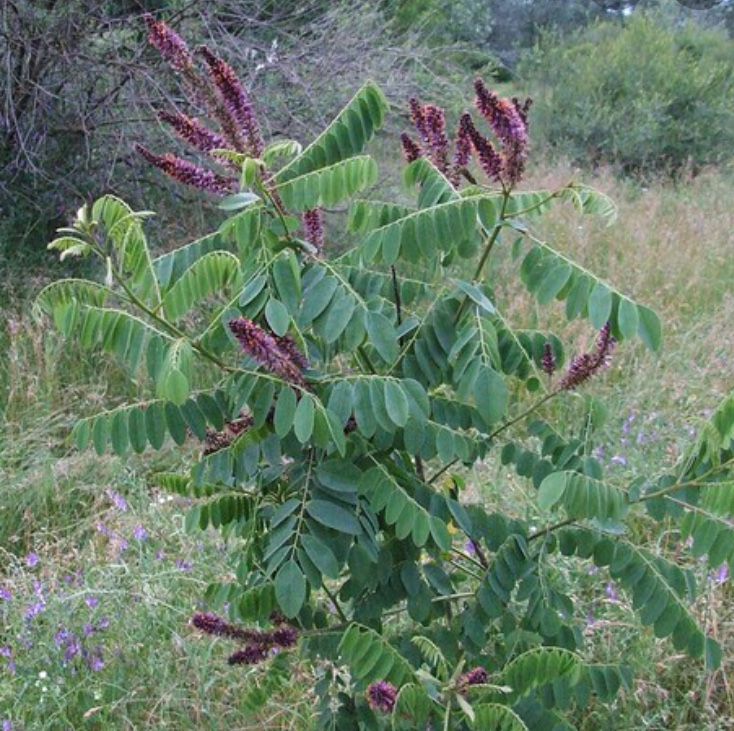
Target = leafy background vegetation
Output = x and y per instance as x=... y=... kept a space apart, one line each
x=94 y=542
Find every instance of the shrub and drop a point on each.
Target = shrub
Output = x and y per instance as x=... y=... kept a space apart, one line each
x=645 y=96
x=335 y=399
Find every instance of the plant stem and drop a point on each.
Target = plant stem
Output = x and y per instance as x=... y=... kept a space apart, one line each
x=487 y=251
x=499 y=430
x=333 y=600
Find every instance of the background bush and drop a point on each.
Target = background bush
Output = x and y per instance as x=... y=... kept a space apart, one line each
x=647 y=95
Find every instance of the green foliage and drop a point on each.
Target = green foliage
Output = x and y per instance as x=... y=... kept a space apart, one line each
x=327 y=475
x=669 y=107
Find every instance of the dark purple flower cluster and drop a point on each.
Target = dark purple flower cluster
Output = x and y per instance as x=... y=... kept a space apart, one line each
x=193 y=132
x=476 y=676
x=489 y=159
x=586 y=365
x=502 y=114
x=411 y=150
x=188 y=173
x=258 y=644
x=430 y=123
x=265 y=349
x=548 y=362
x=169 y=44
x=225 y=99
x=382 y=696
x=235 y=98
x=216 y=440
x=313 y=222
x=508 y=120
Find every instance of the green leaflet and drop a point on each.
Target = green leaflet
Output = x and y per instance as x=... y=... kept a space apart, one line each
x=582 y=496
x=214 y=273
x=330 y=185
x=345 y=137
x=371 y=658
x=550 y=275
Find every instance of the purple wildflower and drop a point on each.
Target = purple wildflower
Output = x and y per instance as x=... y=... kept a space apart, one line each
x=32 y=560
x=102 y=625
x=140 y=533
x=169 y=44
x=722 y=575
x=184 y=566
x=7 y=725
x=265 y=350
x=117 y=500
x=92 y=602
x=381 y=696
x=619 y=459
x=411 y=149
x=313 y=223
x=186 y=172
x=470 y=547
x=34 y=610
x=95 y=660
x=193 y=132
x=160 y=555
x=5 y=594
x=104 y=530
x=611 y=591
x=235 y=98
x=584 y=366
x=548 y=362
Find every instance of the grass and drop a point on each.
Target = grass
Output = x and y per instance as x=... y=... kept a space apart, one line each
x=669 y=249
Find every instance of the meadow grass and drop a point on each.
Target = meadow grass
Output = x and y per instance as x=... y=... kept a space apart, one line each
x=117 y=573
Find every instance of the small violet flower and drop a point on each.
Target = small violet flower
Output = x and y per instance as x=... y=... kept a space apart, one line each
x=32 y=560
x=140 y=534
x=117 y=500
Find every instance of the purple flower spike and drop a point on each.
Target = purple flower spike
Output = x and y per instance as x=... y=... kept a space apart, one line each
x=169 y=44
x=263 y=348
x=186 y=172
x=411 y=149
x=288 y=345
x=549 y=360
x=503 y=116
x=190 y=130
x=235 y=98
x=476 y=676
x=381 y=696
x=489 y=159
x=250 y=655
x=584 y=366
x=313 y=222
